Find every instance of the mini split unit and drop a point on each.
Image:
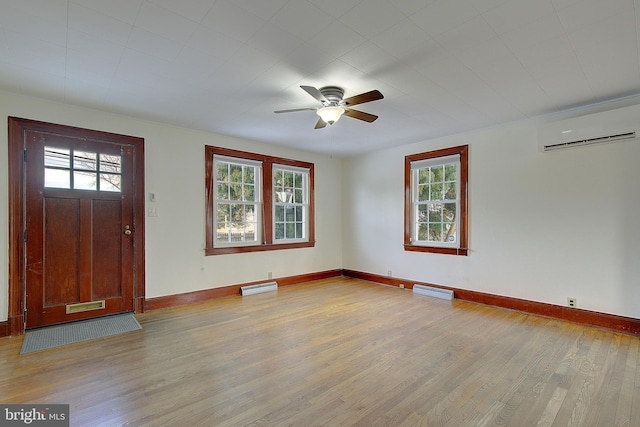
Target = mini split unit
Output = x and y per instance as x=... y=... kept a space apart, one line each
x=599 y=128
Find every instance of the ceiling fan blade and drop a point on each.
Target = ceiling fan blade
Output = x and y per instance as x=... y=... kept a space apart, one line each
x=373 y=95
x=315 y=93
x=320 y=123
x=295 y=109
x=360 y=115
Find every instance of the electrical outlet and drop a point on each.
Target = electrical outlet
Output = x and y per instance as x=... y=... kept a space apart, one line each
x=571 y=302
x=401 y=285
x=269 y=275
x=389 y=273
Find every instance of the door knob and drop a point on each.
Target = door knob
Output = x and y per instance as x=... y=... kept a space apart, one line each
x=127 y=230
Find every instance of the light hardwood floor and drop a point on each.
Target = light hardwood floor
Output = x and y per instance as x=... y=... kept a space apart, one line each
x=336 y=352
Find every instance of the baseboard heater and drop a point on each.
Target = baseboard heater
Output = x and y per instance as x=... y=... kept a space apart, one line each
x=433 y=292
x=258 y=289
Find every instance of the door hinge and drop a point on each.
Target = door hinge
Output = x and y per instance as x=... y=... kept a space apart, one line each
x=24 y=236
x=24 y=155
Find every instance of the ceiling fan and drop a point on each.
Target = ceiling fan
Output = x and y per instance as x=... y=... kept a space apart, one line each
x=334 y=106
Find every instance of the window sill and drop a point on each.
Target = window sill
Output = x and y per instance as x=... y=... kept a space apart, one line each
x=257 y=248
x=436 y=250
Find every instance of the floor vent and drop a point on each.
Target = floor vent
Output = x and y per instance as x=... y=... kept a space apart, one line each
x=433 y=292
x=257 y=289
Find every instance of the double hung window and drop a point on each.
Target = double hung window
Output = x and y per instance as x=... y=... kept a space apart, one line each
x=237 y=196
x=436 y=201
x=257 y=202
x=290 y=203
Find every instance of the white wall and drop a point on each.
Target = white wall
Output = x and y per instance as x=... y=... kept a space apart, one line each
x=543 y=226
x=175 y=261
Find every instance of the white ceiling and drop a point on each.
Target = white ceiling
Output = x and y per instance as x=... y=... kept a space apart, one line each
x=444 y=66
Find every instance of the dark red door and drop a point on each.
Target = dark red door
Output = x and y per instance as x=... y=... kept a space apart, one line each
x=79 y=225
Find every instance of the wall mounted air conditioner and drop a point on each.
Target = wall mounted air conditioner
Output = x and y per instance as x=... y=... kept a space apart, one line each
x=597 y=128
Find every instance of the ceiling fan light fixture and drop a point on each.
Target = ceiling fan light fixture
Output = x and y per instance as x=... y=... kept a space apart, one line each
x=330 y=115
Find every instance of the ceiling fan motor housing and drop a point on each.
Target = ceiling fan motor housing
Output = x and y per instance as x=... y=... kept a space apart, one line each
x=333 y=94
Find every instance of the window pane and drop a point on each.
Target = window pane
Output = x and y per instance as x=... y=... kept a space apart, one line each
x=237 y=234
x=222 y=192
x=422 y=213
x=222 y=236
x=222 y=173
x=249 y=175
x=422 y=232
x=223 y=215
x=437 y=174
x=56 y=157
x=278 y=178
x=449 y=232
x=85 y=160
x=290 y=231
x=289 y=213
x=57 y=178
x=435 y=213
x=299 y=213
x=297 y=182
x=235 y=173
x=249 y=193
x=279 y=213
x=298 y=196
x=250 y=213
x=423 y=192
x=449 y=212
x=235 y=192
x=436 y=192
x=450 y=173
x=110 y=182
x=279 y=230
x=450 y=191
x=435 y=232
x=110 y=163
x=283 y=196
x=85 y=180
x=237 y=215
x=288 y=179
x=280 y=196
x=424 y=176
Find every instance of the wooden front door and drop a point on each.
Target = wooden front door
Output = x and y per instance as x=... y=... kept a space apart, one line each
x=79 y=228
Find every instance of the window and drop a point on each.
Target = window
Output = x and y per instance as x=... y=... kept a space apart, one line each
x=436 y=201
x=81 y=170
x=257 y=202
x=291 y=204
x=237 y=200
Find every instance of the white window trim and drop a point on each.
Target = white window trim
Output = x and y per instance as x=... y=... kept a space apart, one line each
x=415 y=167
x=258 y=203
x=306 y=177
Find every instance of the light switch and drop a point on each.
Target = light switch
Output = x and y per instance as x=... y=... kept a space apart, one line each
x=153 y=212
